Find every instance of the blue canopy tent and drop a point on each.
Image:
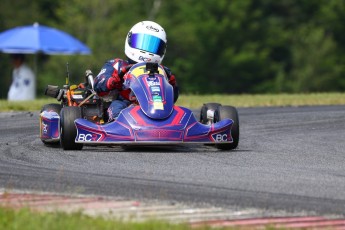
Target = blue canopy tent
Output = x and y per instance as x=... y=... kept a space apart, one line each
x=39 y=39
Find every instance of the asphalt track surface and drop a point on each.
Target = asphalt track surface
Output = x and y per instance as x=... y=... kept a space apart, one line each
x=289 y=158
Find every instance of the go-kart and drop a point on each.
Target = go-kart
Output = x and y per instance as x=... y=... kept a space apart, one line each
x=152 y=118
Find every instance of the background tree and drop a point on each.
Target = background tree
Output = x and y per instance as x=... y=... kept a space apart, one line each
x=244 y=46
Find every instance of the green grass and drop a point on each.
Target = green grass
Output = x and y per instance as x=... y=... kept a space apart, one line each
x=249 y=100
x=24 y=105
x=196 y=101
x=26 y=219
x=11 y=219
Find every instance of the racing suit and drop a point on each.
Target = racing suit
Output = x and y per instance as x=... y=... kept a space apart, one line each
x=109 y=84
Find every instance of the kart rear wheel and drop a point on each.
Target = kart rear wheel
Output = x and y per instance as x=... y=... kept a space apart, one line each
x=68 y=128
x=230 y=112
x=55 y=108
x=203 y=112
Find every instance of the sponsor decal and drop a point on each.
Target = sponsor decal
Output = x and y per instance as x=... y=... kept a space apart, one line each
x=222 y=136
x=153 y=83
x=158 y=105
x=152 y=28
x=44 y=128
x=150 y=78
x=155 y=89
x=144 y=59
x=88 y=137
x=157 y=98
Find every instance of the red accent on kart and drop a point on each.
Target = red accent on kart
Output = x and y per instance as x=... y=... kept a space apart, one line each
x=140 y=121
x=134 y=112
x=178 y=116
x=173 y=135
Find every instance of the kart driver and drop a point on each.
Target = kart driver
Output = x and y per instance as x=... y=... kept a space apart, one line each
x=146 y=42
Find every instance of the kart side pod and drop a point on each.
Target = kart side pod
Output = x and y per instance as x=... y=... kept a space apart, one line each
x=49 y=126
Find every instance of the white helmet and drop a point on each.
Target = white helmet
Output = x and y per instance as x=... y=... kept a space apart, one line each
x=146 y=42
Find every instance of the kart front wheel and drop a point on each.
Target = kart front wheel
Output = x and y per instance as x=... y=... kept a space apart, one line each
x=230 y=112
x=203 y=112
x=68 y=128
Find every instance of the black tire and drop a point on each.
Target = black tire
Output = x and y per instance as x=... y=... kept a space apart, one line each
x=68 y=130
x=56 y=108
x=203 y=111
x=229 y=112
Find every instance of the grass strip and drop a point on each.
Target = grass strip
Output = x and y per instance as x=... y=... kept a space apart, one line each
x=24 y=218
x=254 y=100
x=196 y=101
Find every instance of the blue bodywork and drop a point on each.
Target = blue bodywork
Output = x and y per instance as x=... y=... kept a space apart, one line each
x=154 y=119
x=50 y=126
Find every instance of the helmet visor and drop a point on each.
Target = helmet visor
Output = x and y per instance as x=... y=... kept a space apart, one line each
x=147 y=43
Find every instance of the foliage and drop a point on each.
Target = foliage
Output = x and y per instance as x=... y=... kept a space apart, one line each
x=247 y=46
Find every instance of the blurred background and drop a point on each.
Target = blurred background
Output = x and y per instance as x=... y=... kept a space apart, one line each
x=230 y=47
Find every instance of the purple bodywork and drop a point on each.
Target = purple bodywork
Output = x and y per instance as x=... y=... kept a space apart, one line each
x=154 y=119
